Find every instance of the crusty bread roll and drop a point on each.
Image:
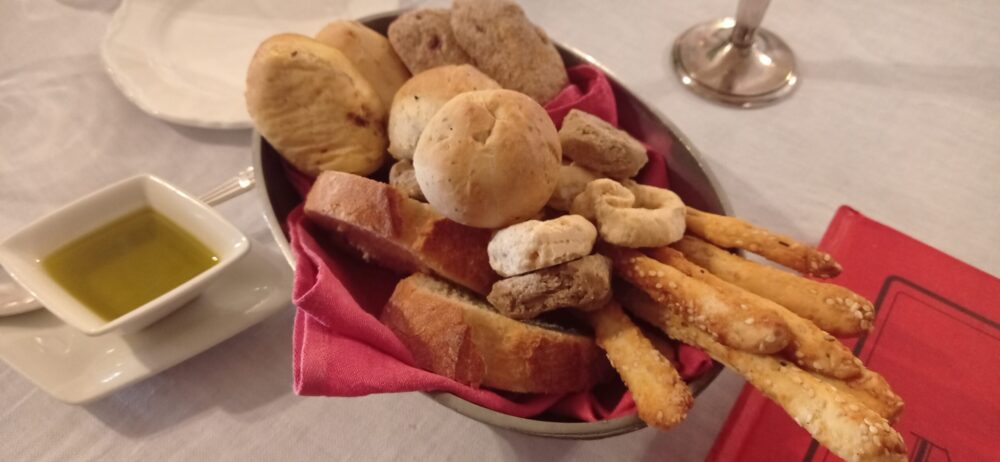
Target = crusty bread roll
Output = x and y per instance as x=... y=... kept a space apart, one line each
x=314 y=107
x=505 y=45
x=403 y=178
x=453 y=333
x=488 y=158
x=371 y=54
x=393 y=231
x=423 y=40
x=421 y=97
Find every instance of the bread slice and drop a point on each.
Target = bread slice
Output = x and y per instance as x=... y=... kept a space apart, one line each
x=392 y=230
x=452 y=332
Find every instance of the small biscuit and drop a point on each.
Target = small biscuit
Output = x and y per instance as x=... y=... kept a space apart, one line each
x=423 y=40
x=573 y=180
x=584 y=283
x=508 y=47
x=533 y=245
x=371 y=54
x=421 y=97
x=599 y=146
x=403 y=178
x=315 y=107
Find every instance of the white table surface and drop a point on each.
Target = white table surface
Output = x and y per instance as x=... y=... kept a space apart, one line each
x=898 y=115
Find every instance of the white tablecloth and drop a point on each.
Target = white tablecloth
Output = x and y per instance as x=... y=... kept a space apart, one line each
x=898 y=115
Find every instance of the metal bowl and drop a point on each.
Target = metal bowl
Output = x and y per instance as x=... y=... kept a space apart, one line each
x=688 y=177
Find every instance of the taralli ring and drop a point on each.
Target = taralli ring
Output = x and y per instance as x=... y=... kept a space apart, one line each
x=653 y=218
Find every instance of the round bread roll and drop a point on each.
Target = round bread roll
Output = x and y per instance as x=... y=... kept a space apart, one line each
x=314 y=107
x=420 y=97
x=505 y=45
x=423 y=40
x=371 y=54
x=488 y=158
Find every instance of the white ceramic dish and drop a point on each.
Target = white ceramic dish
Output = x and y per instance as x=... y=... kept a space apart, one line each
x=76 y=368
x=22 y=253
x=185 y=61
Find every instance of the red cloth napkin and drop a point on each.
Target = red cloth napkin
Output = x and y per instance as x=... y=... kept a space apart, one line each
x=340 y=347
x=936 y=340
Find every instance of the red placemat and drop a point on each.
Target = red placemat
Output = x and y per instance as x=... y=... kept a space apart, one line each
x=936 y=340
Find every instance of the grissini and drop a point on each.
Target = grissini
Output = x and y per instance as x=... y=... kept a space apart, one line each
x=810 y=348
x=836 y=419
x=872 y=390
x=454 y=333
x=743 y=327
x=834 y=309
x=661 y=396
x=730 y=232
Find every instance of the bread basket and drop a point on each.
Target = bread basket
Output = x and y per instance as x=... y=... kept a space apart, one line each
x=688 y=177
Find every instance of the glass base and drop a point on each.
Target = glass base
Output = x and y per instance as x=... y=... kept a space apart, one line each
x=711 y=65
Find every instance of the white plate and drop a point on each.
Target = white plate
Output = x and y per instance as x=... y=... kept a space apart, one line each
x=185 y=61
x=76 y=368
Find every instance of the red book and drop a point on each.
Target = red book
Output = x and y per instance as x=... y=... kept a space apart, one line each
x=936 y=340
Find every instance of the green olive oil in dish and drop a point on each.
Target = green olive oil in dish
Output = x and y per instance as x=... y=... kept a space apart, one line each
x=128 y=262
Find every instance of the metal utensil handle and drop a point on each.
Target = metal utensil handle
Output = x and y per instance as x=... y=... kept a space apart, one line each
x=749 y=14
x=239 y=184
x=15 y=300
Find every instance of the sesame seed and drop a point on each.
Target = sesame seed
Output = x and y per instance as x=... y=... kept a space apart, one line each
x=826 y=257
x=659 y=286
x=748 y=321
x=672 y=284
x=817 y=365
x=876 y=440
x=854 y=407
x=813 y=291
x=739 y=242
x=839 y=300
x=798 y=354
x=797 y=379
x=659 y=415
x=770 y=338
x=828 y=301
x=642 y=274
x=857 y=314
x=872 y=429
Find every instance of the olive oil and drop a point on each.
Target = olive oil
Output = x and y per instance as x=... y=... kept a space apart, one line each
x=128 y=262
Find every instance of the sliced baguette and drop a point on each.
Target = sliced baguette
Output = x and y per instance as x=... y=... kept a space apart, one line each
x=452 y=332
x=392 y=230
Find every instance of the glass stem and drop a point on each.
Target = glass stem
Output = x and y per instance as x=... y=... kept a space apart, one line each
x=749 y=14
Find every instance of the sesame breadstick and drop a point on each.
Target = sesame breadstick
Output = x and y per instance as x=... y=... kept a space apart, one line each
x=872 y=390
x=833 y=308
x=730 y=232
x=742 y=327
x=810 y=348
x=661 y=396
x=836 y=419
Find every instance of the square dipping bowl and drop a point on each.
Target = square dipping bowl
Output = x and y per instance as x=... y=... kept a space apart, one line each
x=22 y=253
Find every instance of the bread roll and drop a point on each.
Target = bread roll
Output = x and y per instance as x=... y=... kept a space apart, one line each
x=314 y=107
x=423 y=40
x=371 y=54
x=488 y=158
x=420 y=97
x=505 y=45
